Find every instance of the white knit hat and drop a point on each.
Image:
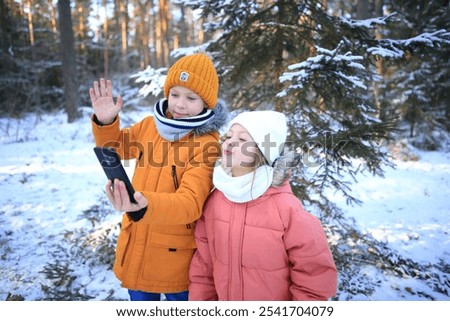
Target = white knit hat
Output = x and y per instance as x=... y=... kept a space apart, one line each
x=268 y=129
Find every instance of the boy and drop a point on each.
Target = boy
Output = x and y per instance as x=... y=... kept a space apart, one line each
x=175 y=152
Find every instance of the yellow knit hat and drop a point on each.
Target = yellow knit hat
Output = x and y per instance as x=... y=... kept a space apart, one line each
x=197 y=73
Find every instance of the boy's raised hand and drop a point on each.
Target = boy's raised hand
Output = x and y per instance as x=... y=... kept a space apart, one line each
x=102 y=101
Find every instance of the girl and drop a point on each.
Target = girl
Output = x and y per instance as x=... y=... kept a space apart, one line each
x=175 y=152
x=254 y=240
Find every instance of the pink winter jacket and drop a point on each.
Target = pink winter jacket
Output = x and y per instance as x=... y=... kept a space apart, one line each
x=267 y=249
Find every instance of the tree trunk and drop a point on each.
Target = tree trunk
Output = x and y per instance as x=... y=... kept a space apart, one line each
x=362 y=9
x=123 y=20
x=379 y=63
x=53 y=16
x=30 y=22
x=81 y=26
x=312 y=48
x=69 y=69
x=201 y=32
x=5 y=41
x=143 y=41
x=105 y=35
x=278 y=61
x=163 y=45
x=124 y=27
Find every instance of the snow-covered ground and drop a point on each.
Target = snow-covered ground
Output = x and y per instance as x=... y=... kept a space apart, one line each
x=409 y=209
x=49 y=177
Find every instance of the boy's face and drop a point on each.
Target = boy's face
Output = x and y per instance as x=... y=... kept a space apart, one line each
x=183 y=102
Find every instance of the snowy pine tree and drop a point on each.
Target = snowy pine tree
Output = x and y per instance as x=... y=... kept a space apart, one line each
x=333 y=122
x=328 y=95
x=322 y=71
x=420 y=89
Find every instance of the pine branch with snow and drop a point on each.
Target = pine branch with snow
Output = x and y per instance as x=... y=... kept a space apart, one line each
x=335 y=121
x=397 y=49
x=153 y=80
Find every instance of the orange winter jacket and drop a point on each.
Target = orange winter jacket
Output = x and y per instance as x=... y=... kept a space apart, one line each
x=154 y=253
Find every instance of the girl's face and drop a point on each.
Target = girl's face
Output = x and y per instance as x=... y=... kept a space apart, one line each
x=183 y=102
x=239 y=151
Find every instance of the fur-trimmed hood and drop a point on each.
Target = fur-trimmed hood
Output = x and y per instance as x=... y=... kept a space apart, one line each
x=220 y=119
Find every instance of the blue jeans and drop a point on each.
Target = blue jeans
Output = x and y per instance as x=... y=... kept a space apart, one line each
x=148 y=296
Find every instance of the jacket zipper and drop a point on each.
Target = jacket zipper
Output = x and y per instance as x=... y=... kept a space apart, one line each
x=138 y=163
x=174 y=176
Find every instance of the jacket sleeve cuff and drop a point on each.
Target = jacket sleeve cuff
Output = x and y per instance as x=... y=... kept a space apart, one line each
x=137 y=215
x=97 y=122
x=104 y=134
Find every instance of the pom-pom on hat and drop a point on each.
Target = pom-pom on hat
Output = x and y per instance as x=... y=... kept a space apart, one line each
x=268 y=129
x=196 y=72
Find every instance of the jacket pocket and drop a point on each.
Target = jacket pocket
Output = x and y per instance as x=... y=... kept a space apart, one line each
x=169 y=258
x=173 y=241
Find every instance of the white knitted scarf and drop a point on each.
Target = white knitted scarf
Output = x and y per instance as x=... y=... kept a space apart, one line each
x=242 y=189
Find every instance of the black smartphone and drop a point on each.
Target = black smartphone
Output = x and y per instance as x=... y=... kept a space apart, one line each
x=110 y=162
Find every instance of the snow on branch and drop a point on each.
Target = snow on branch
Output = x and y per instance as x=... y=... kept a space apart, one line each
x=389 y=48
x=325 y=62
x=180 y=52
x=154 y=80
x=367 y=23
x=429 y=39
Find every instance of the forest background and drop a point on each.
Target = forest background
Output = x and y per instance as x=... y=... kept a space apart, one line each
x=359 y=80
